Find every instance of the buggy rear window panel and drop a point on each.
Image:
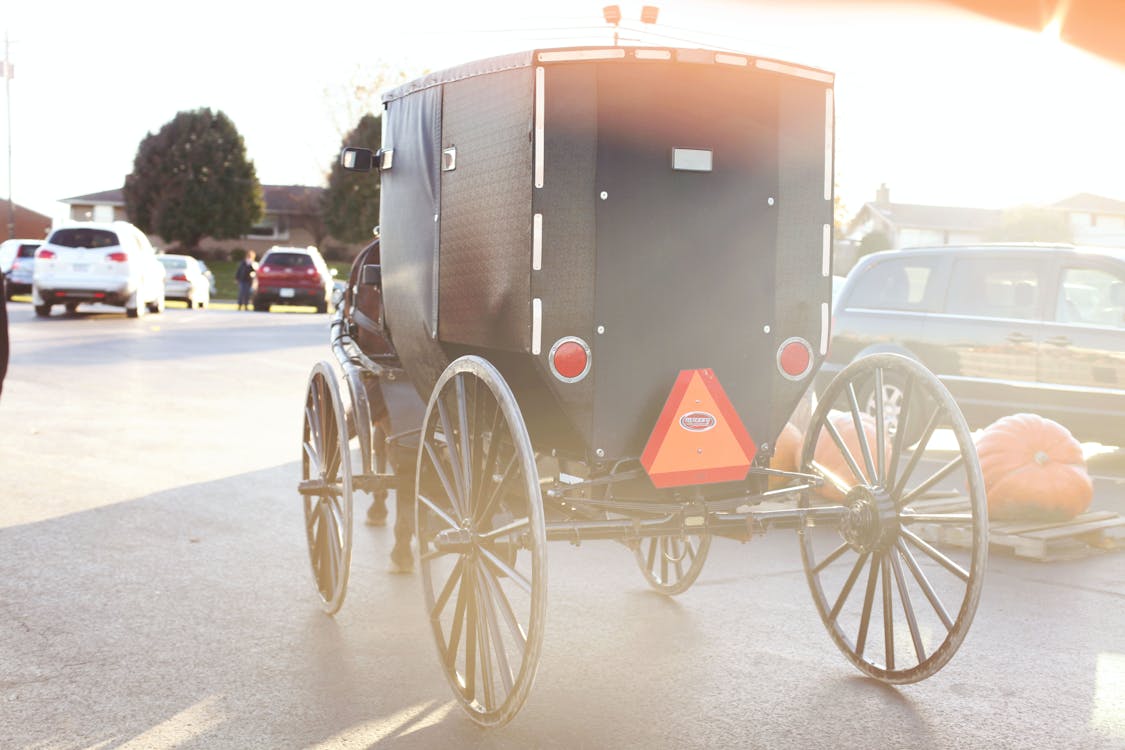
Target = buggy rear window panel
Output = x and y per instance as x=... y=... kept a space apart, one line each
x=85 y=237
x=288 y=260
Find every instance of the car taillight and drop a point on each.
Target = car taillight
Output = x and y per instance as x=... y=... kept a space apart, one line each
x=15 y=265
x=179 y=277
x=265 y=269
x=45 y=254
x=118 y=257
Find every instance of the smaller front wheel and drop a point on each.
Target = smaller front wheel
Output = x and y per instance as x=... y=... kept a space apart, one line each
x=671 y=564
x=43 y=311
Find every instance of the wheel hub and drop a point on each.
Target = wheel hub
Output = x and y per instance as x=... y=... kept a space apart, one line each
x=871 y=523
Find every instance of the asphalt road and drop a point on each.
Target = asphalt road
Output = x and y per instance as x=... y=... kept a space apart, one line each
x=155 y=592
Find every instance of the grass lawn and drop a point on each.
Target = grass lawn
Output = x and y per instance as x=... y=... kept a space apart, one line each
x=227 y=288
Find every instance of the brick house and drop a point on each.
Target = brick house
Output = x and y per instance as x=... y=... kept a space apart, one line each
x=30 y=225
x=292 y=217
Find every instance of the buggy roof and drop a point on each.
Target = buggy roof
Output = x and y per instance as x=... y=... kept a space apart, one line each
x=600 y=54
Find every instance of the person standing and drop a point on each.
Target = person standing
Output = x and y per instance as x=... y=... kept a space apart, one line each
x=245 y=274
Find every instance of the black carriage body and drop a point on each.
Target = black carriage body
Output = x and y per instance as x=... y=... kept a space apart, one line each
x=670 y=208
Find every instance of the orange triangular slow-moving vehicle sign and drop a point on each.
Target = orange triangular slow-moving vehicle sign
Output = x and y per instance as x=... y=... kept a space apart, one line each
x=698 y=438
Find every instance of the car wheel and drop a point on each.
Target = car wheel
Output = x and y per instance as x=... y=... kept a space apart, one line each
x=43 y=311
x=893 y=397
x=322 y=307
x=261 y=307
x=71 y=308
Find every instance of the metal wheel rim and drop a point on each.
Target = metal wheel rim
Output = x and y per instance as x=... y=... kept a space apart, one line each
x=671 y=564
x=328 y=516
x=496 y=602
x=361 y=419
x=894 y=566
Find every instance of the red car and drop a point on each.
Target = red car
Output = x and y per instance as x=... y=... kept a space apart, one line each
x=293 y=276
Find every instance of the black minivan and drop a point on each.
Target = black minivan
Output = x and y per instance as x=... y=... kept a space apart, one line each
x=1007 y=328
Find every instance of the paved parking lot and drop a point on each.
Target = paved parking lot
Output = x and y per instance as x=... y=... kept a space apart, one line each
x=155 y=592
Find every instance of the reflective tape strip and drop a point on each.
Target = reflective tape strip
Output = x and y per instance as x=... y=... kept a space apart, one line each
x=738 y=60
x=653 y=54
x=828 y=144
x=536 y=325
x=825 y=321
x=540 y=98
x=826 y=251
x=582 y=54
x=537 y=242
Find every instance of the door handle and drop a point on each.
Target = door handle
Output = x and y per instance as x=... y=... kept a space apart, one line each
x=1058 y=341
x=1018 y=338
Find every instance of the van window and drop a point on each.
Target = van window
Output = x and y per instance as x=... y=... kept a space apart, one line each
x=1091 y=295
x=84 y=237
x=896 y=284
x=995 y=288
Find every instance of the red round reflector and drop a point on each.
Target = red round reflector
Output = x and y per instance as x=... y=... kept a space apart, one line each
x=794 y=358
x=570 y=359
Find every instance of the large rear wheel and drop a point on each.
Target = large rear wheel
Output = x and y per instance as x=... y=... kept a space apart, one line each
x=481 y=540
x=895 y=605
x=326 y=487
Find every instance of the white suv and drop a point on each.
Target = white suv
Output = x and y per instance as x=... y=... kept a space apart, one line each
x=108 y=262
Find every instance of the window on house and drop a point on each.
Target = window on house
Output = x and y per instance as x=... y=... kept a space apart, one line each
x=270 y=227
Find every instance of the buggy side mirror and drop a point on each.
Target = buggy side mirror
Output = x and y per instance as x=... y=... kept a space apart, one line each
x=364 y=159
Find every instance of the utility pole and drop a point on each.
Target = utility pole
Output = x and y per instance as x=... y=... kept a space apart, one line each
x=8 y=101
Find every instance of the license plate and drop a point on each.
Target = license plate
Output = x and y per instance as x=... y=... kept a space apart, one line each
x=81 y=267
x=287 y=293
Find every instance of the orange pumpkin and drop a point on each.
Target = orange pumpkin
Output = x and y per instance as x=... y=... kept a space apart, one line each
x=1033 y=469
x=828 y=455
x=786 y=453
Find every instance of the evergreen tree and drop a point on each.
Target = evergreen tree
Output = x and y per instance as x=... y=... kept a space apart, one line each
x=351 y=202
x=192 y=180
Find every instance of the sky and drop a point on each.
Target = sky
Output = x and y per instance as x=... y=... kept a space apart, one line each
x=944 y=107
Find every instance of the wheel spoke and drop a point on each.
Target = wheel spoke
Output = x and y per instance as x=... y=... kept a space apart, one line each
x=472 y=634
x=450 y=492
x=650 y=563
x=486 y=508
x=847 y=454
x=937 y=556
x=888 y=616
x=484 y=650
x=925 y=486
x=861 y=438
x=880 y=431
x=843 y=597
x=843 y=487
x=455 y=460
x=457 y=626
x=438 y=511
x=959 y=519
x=313 y=458
x=908 y=608
x=506 y=530
x=919 y=450
x=447 y=590
x=519 y=635
x=488 y=602
x=924 y=584
x=466 y=456
x=513 y=575
x=835 y=554
x=868 y=599
x=900 y=432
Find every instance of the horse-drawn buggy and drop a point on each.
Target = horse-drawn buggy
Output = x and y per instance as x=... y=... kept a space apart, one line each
x=603 y=289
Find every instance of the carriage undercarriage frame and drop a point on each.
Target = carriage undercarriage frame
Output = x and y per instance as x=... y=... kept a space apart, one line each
x=490 y=637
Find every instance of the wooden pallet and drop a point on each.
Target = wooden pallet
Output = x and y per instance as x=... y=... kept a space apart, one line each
x=1046 y=541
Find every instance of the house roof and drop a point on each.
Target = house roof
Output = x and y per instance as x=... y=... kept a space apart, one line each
x=936 y=217
x=1092 y=203
x=279 y=199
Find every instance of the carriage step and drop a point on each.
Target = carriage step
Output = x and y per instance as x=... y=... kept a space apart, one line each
x=1046 y=541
